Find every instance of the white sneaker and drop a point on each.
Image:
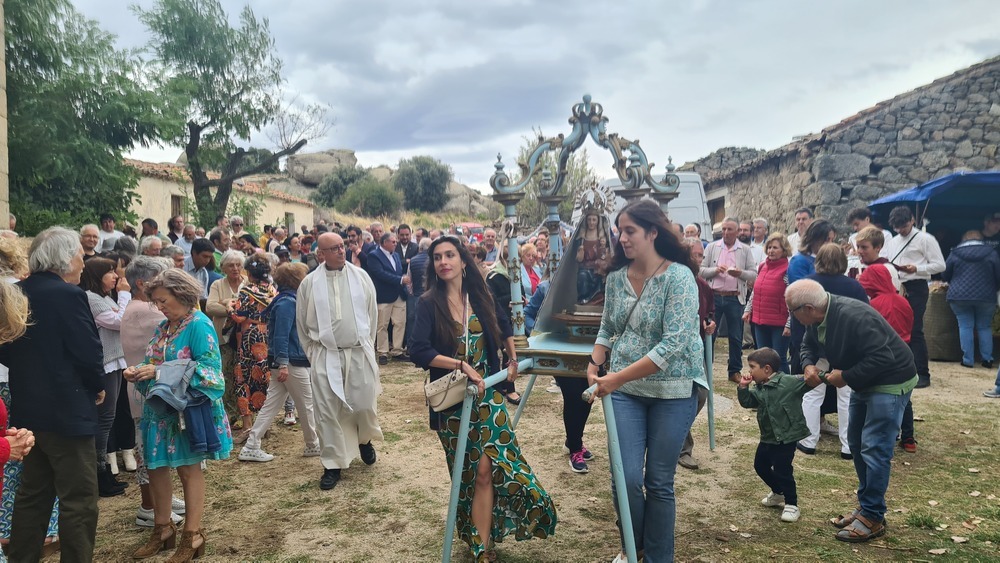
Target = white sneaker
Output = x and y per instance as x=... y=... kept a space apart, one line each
x=247 y=454
x=128 y=458
x=773 y=500
x=113 y=463
x=790 y=513
x=553 y=387
x=289 y=418
x=144 y=518
x=177 y=505
x=311 y=451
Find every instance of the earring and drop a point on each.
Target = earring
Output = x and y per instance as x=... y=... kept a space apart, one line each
x=463 y=272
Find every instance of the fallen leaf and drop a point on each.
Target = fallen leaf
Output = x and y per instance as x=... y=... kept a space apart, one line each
x=855 y=550
x=733 y=528
x=959 y=539
x=965 y=432
x=941 y=527
x=901 y=510
x=939 y=551
x=977 y=521
x=408 y=421
x=932 y=502
x=969 y=525
x=973 y=470
x=834 y=490
x=745 y=535
x=918 y=419
x=975 y=493
x=592 y=499
x=746 y=418
x=725 y=550
x=906 y=463
x=991 y=497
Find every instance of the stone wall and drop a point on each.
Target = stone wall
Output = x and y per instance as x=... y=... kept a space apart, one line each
x=950 y=125
x=4 y=161
x=722 y=160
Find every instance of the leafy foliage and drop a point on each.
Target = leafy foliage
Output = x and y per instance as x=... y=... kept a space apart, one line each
x=370 y=197
x=227 y=79
x=74 y=106
x=333 y=187
x=579 y=175
x=423 y=182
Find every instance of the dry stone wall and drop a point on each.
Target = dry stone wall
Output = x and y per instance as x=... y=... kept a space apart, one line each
x=950 y=125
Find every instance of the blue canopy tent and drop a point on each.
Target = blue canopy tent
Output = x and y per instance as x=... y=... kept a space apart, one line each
x=956 y=202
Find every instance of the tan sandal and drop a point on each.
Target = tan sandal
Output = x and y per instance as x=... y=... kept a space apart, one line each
x=861 y=530
x=185 y=547
x=842 y=521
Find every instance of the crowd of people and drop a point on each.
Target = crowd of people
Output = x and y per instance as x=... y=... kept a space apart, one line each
x=172 y=349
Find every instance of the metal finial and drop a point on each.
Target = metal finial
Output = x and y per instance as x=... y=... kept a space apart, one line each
x=670 y=164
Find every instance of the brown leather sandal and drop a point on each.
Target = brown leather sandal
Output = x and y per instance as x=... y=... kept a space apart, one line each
x=842 y=521
x=156 y=542
x=185 y=547
x=861 y=530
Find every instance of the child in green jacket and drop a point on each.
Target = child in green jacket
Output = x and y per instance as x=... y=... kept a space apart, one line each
x=778 y=399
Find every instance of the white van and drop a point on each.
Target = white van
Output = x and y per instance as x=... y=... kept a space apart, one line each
x=690 y=205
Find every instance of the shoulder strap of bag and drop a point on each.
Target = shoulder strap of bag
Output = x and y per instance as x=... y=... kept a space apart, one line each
x=639 y=296
x=893 y=261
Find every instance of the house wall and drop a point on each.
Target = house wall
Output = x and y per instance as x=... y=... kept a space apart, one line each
x=155 y=201
x=950 y=125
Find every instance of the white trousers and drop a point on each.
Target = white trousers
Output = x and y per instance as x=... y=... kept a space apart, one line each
x=299 y=387
x=396 y=313
x=811 y=404
x=340 y=430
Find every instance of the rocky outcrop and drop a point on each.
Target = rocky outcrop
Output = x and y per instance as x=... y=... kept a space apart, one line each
x=722 y=160
x=311 y=168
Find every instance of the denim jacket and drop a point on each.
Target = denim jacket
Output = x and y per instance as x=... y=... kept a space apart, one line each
x=282 y=336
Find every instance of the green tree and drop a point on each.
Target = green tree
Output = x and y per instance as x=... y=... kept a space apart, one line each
x=74 y=106
x=370 y=197
x=333 y=187
x=423 y=181
x=579 y=175
x=228 y=79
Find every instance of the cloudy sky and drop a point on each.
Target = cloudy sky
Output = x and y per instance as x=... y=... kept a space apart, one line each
x=463 y=80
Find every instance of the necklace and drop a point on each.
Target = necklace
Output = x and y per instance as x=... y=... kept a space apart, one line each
x=636 y=275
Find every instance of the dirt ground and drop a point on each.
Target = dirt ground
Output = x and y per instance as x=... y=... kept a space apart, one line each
x=395 y=510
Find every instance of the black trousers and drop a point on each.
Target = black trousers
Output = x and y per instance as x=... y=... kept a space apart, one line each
x=773 y=463
x=576 y=411
x=122 y=436
x=916 y=295
x=64 y=466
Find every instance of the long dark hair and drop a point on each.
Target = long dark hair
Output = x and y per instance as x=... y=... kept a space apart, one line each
x=647 y=215
x=817 y=233
x=473 y=284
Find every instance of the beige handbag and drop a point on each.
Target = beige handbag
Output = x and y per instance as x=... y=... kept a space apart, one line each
x=446 y=392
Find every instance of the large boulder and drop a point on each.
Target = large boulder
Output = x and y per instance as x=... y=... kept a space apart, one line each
x=311 y=168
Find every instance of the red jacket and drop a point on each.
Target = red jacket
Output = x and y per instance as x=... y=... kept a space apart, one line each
x=883 y=298
x=769 y=308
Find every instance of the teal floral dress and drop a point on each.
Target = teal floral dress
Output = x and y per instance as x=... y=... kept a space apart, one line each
x=164 y=444
x=521 y=507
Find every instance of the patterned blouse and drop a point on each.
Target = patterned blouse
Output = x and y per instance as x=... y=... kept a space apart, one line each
x=663 y=328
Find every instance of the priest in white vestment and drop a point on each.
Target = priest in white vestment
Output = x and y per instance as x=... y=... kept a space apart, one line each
x=335 y=316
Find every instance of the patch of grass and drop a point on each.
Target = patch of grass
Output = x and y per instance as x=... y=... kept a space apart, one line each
x=921 y=520
x=391 y=437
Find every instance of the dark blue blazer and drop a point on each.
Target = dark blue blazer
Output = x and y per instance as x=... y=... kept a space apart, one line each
x=57 y=367
x=387 y=279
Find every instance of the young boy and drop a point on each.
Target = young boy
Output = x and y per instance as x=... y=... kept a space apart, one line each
x=778 y=400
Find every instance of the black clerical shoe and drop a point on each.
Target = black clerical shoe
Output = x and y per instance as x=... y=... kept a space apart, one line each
x=329 y=479
x=383 y=360
x=367 y=453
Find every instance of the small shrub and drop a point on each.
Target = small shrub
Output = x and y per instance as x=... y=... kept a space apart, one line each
x=371 y=198
x=336 y=184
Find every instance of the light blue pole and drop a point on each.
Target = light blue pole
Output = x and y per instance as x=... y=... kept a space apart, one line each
x=617 y=472
x=471 y=394
x=524 y=398
x=711 y=392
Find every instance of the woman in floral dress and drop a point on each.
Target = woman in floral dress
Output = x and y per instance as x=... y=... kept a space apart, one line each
x=186 y=334
x=252 y=374
x=499 y=495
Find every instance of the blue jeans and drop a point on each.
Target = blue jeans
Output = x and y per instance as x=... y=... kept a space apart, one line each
x=975 y=317
x=651 y=433
x=771 y=337
x=730 y=308
x=871 y=434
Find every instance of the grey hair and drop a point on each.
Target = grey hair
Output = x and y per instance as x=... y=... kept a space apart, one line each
x=272 y=259
x=731 y=220
x=806 y=292
x=145 y=243
x=53 y=251
x=232 y=256
x=421 y=246
x=763 y=221
x=83 y=228
x=144 y=268
x=171 y=250
x=179 y=283
x=236 y=218
x=188 y=225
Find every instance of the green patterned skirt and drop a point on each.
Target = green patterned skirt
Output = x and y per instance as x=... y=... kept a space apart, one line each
x=520 y=505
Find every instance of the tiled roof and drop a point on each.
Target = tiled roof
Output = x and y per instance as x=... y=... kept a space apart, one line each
x=178 y=173
x=802 y=142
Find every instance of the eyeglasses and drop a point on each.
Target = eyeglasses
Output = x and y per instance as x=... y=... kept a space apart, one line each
x=799 y=307
x=237 y=224
x=335 y=248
